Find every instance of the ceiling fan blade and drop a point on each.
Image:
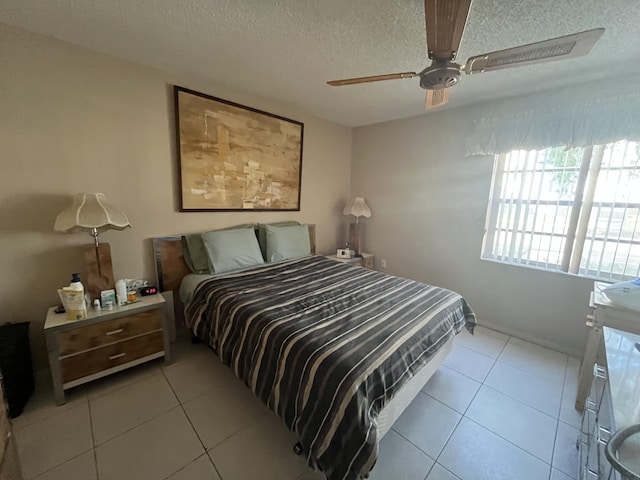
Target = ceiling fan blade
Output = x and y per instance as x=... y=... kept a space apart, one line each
x=374 y=78
x=436 y=98
x=560 y=48
x=445 y=21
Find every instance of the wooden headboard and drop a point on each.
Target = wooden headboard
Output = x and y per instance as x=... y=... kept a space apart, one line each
x=171 y=267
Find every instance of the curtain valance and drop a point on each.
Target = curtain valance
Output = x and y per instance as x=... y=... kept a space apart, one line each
x=576 y=117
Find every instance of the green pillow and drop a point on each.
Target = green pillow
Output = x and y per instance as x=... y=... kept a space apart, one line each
x=230 y=250
x=195 y=255
x=262 y=234
x=284 y=243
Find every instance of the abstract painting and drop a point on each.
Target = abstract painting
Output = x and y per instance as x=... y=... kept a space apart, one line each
x=232 y=157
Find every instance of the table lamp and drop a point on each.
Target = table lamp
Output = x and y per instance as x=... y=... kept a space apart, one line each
x=92 y=213
x=356 y=230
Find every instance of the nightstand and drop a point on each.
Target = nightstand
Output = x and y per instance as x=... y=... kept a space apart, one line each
x=107 y=341
x=365 y=260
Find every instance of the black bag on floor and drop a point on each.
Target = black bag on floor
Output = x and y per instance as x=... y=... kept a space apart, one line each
x=16 y=370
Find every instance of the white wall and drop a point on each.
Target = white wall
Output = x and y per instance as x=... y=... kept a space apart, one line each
x=428 y=203
x=73 y=120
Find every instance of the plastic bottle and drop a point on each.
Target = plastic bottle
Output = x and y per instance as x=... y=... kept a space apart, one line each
x=121 y=292
x=76 y=284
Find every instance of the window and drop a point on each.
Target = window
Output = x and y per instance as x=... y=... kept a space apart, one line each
x=573 y=210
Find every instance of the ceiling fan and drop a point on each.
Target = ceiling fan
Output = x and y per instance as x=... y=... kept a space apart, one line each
x=445 y=20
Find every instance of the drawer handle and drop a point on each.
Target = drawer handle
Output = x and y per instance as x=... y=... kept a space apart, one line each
x=117 y=330
x=119 y=355
x=604 y=434
x=599 y=372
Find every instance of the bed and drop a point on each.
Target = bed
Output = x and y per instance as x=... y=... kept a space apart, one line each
x=336 y=351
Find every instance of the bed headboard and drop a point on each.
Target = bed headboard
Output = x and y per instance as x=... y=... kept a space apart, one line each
x=171 y=267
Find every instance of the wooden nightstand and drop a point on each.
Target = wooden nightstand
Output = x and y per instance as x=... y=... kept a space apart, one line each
x=365 y=260
x=106 y=342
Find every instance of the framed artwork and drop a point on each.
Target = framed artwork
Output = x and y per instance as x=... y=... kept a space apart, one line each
x=233 y=158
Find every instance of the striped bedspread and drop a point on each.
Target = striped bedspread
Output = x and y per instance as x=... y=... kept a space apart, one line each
x=326 y=345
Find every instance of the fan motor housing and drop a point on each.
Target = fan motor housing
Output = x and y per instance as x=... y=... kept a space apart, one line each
x=440 y=75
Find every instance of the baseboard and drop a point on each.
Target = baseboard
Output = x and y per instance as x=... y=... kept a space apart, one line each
x=530 y=338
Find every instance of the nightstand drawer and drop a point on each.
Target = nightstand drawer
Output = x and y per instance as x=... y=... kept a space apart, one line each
x=109 y=331
x=103 y=358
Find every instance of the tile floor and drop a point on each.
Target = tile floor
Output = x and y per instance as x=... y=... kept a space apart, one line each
x=499 y=408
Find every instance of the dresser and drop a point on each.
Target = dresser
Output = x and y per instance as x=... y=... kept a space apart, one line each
x=603 y=313
x=107 y=341
x=613 y=403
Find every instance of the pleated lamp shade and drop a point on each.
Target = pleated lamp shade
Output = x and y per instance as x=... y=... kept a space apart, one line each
x=358 y=208
x=89 y=211
x=92 y=213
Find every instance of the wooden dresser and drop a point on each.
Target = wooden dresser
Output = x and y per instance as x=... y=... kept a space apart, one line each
x=106 y=342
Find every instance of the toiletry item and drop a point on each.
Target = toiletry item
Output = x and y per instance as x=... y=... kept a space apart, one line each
x=131 y=296
x=96 y=304
x=121 y=292
x=76 y=284
x=72 y=298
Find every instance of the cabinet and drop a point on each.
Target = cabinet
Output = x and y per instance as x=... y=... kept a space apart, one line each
x=610 y=405
x=595 y=429
x=365 y=260
x=107 y=341
x=604 y=313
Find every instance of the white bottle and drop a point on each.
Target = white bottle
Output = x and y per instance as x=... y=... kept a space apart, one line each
x=76 y=284
x=121 y=292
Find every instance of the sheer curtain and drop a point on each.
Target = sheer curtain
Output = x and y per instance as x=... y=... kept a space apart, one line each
x=578 y=116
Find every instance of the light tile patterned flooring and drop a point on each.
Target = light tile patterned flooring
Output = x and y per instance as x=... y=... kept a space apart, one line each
x=498 y=409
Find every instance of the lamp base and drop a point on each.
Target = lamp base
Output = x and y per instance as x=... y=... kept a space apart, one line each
x=99 y=269
x=356 y=237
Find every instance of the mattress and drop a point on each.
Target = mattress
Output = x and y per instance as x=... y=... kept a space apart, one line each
x=328 y=347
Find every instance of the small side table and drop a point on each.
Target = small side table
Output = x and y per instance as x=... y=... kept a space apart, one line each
x=604 y=314
x=107 y=341
x=365 y=260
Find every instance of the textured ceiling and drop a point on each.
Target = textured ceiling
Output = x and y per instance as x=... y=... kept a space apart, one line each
x=287 y=49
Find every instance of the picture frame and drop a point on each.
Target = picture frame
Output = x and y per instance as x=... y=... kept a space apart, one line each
x=232 y=157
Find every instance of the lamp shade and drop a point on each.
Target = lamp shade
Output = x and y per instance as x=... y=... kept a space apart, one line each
x=358 y=208
x=90 y=211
